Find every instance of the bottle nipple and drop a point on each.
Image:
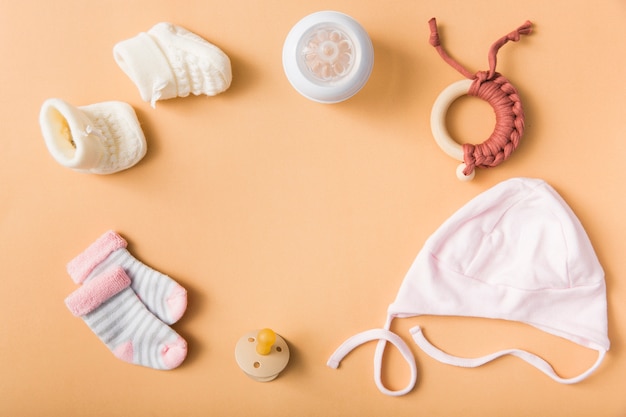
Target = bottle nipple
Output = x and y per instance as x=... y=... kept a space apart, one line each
x=328 y=53
x=328 y=56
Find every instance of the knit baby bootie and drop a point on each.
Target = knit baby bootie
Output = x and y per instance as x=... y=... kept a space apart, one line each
x=169 y=61
x=101 y=138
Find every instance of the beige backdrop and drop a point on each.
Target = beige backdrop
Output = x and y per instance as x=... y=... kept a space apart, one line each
x=275 y=211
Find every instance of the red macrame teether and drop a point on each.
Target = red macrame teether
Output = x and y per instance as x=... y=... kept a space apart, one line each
x=494 y=89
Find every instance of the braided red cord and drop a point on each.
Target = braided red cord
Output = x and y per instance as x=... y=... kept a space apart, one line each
x=500 y=94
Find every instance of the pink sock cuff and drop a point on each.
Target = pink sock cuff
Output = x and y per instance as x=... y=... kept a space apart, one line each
x=80 y=267
x=96 y=291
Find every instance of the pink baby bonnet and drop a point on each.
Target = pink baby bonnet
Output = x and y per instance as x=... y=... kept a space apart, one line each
x=515 y=252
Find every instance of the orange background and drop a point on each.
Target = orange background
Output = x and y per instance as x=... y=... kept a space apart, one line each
x=276 y=211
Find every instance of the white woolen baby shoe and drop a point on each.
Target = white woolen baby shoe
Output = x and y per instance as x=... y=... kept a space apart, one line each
x=101 y=138
x=169 y=61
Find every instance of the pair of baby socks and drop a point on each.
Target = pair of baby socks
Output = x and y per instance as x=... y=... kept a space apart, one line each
x=127 y=304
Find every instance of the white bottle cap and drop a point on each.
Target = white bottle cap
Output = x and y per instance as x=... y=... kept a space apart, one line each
x=328 y=57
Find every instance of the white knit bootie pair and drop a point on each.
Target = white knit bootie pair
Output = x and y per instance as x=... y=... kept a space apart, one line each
x=167 y=61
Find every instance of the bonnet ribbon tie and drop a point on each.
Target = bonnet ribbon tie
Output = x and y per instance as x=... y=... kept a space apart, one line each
x=530 y=358
x=494 y=88
x=383 y=336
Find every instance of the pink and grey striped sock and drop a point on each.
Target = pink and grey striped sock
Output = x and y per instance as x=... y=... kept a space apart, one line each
x=113 y=312
x=165 y=298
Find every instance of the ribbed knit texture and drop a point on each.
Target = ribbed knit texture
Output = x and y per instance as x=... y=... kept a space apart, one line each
x=119 y=133
x=198 y=66
x=163 y=296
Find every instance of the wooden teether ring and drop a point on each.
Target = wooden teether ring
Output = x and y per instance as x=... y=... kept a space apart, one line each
x=438 y=124
x=496 y=90
x=509 y=127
